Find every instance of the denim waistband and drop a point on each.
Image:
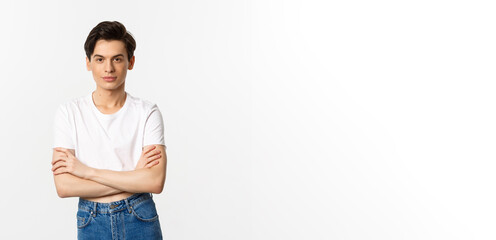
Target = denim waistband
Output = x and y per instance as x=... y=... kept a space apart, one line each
x=107 y=208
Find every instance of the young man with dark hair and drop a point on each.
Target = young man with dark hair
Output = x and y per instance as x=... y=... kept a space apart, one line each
x=109 y=148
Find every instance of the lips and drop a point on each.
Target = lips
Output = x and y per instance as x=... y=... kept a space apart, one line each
x=109 y=79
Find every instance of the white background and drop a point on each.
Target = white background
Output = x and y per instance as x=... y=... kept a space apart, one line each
x=284 y=119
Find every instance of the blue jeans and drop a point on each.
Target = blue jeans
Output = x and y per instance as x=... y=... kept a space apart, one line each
x=132 y=218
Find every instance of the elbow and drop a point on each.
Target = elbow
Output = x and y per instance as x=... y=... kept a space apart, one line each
x=62 y=195
x=61 y=192
x=158 y=187
x=63 y=189
x=156 y=190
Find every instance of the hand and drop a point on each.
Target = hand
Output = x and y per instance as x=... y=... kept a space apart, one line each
x=66 y=162
x=149 y=157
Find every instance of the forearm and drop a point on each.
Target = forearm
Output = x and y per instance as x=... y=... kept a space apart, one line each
x=148 y=179
x=69 y=185
x=141 y=180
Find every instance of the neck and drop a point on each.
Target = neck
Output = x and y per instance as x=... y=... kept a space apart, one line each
x=109 y=98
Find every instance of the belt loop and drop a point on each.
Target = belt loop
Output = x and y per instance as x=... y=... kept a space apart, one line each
x=151 y=195
x=128 y=206
x=94 y=209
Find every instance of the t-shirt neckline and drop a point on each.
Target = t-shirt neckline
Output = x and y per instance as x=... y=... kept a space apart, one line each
x=97 y=111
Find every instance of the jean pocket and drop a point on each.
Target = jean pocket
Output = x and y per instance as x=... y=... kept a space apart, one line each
x=83 y=218
x=145 y=211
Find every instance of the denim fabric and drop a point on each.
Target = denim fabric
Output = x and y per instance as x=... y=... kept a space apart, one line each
x=132 y=218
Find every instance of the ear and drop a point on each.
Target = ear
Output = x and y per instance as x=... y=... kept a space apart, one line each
x=131 y=63
x=88 y=64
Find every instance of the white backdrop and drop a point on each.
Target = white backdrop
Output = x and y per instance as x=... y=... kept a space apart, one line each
x=295 y=119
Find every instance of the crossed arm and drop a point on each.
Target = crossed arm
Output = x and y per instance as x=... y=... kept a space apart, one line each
x=74 y=179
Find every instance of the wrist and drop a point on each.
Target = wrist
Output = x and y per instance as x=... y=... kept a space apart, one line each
x=91 y=173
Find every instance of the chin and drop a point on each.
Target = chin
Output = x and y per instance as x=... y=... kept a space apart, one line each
x=111 y=85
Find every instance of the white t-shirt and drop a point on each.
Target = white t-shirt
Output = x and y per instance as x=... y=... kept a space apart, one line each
x=108 y=141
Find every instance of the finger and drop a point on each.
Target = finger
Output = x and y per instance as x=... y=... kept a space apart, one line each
x=60 y=149
x=66 y=151
x=152 y=164
x=152 y=153
x=147 y=150
x=60 y=170
x=58 y=158
x=58 y=165
x=60 y=153
x=156 y=157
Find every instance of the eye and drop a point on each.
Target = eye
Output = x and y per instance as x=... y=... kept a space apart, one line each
x=99 y=59
x=117 y=59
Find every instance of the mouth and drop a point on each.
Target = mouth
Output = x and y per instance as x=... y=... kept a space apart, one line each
x=109 y=79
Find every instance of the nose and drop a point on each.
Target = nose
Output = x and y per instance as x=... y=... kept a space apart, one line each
x=109 y=67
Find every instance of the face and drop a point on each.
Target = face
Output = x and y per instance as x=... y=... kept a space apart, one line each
x=109 y=64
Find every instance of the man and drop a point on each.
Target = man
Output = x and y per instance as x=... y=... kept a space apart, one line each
x=109 y=146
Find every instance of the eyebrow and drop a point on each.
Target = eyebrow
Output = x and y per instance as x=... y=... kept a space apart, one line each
x=118 y=55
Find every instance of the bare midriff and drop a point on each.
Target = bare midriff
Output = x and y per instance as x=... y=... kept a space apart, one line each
x=110 y=198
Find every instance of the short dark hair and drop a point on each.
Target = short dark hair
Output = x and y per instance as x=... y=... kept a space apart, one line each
x=108 y=30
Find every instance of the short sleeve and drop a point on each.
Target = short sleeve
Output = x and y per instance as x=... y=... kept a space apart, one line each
x=62 y=131
x=154 y=128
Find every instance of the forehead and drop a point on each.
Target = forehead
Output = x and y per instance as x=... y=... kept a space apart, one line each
x=109 y=48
